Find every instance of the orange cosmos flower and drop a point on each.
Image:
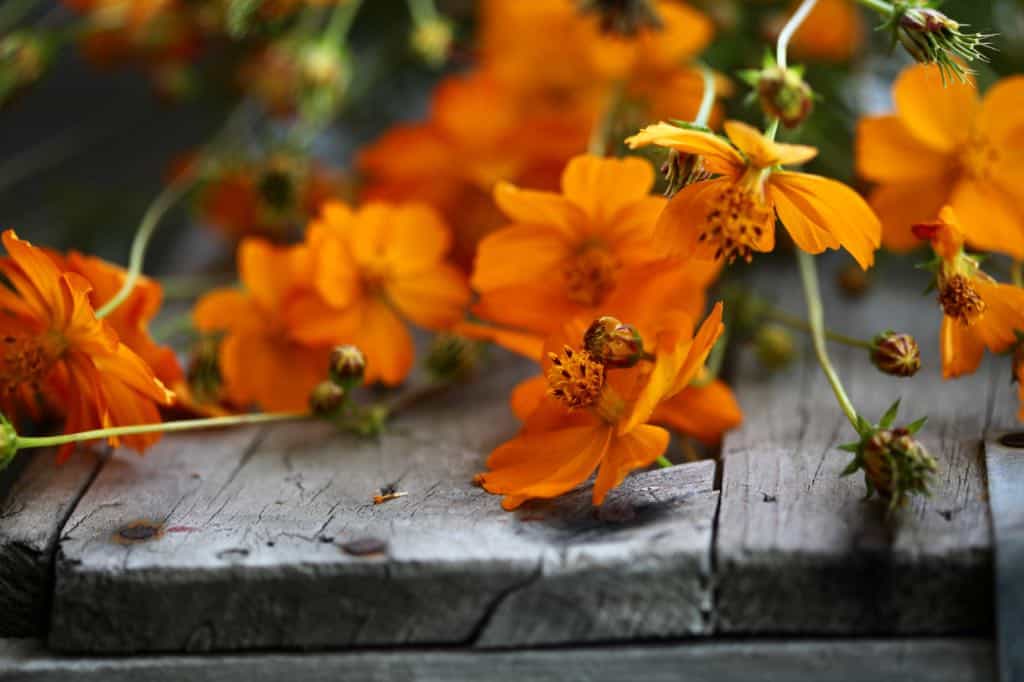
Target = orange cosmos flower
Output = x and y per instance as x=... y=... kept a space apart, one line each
x=132 y=318
x=977 y=311
x=596 y=416
x=262 y=361
x=733 y=215
x=581 y=253
x=372 y=267
x=54 y=348
x=944 y=146
x=453 y=160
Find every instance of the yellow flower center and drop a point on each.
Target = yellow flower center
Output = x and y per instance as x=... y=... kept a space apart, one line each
x=960 y=300
x=27 y=359
x=737 y=220
x=978 y=157
x=577 y=379
x=590 y=275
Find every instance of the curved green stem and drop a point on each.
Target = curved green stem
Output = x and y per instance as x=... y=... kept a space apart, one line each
x=795 y=322
x=881 y=6
x=24 y=442
x=150 y=220
x=341 y=21
x=707 y=101
x=816 y=318
x=663 y=462
x=598 y=144
x=786 y=34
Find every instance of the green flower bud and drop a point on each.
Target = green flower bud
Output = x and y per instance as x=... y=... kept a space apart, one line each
x=326 y=398
x=613 y=343
x=896 y=354
x=347 y=366
x=774 y=346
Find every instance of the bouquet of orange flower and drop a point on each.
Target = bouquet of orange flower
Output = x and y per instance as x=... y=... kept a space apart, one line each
x=577 y=193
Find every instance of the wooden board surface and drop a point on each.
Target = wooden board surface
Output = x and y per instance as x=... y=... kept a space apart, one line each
x=35 y=499
x=916 y=660
x=267 y=538
x=798 y=550
x=1004 y=456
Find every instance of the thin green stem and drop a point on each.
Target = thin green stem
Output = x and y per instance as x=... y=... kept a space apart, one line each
x=664 y=462
x=150 y=220
x=786 y=34
x=341 y=21
x=707 y=101
x=1017 y=273
x=598 y=144
x=24 y=442
x=816 y=318
x=795 y=322
x=881 y=6
x=773 y=130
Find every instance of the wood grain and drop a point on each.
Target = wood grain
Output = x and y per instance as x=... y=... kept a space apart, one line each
x=268 y=539
x=897 y=660
x=1004 y=457
x=798 y=549
x=36 y=497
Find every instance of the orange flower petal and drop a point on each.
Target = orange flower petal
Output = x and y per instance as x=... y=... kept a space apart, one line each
x=681 y=223
x=530 y=207
x=385 y=340
x=547 y=309
x=518 y=253
x=636 y=449
x=604 y=186
x=433 y=299
x=901 y=206
x=961 y=348
x=524 y=343
x=937 y=115
x=830 y=206
x=718 y=155
x=527 y=395
x=704 y=412
x=887 y=152
x=992 y=220
x=1002 y=110
x=419 y=239
x=311 y=321
x=226 y=309
x=1004 y=314
x=765 y=153
x=270 y=272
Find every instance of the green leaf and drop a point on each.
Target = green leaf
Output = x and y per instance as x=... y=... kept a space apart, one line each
x=890 y=415
x=915 y=426
x=850 y=447
x=851 y=468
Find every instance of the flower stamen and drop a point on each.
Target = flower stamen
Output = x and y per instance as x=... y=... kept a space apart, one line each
x=590 y=275
x=960 y=300
x=575 y=378
x=736 y=222
x=25 y=360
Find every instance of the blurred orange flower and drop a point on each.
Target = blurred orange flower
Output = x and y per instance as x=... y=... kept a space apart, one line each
x=944 y=146
x=977 y=311
x=596 y=416
x=833 y=31
x=583 y=252
x=370 y=268
x=55 y=349
x=733 y=216
x=261 y=360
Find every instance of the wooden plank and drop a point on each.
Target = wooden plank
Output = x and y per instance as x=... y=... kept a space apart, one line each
x=798 y=551
x=1004 y=457
x=36 y=497
x=268 y=539
x=899 y=660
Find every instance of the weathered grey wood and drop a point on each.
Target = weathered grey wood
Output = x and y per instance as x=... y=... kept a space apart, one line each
x=897 y=660
x=269 y=538
x=798 y=551
x=1004 y=457
x=36 y=497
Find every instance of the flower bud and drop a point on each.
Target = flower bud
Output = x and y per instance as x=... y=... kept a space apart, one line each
x=623 y=17
x=774 y=346
x=853 y=281
x=784 y=95
x=432 y=40
x=24 y=57
x=896 y=465
x=453 y=357
x=613 y=343
x=326 y=398
x=8 y=442
x=896 y=354
x=324 y=66
x=347 y=365
x=931 y=37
